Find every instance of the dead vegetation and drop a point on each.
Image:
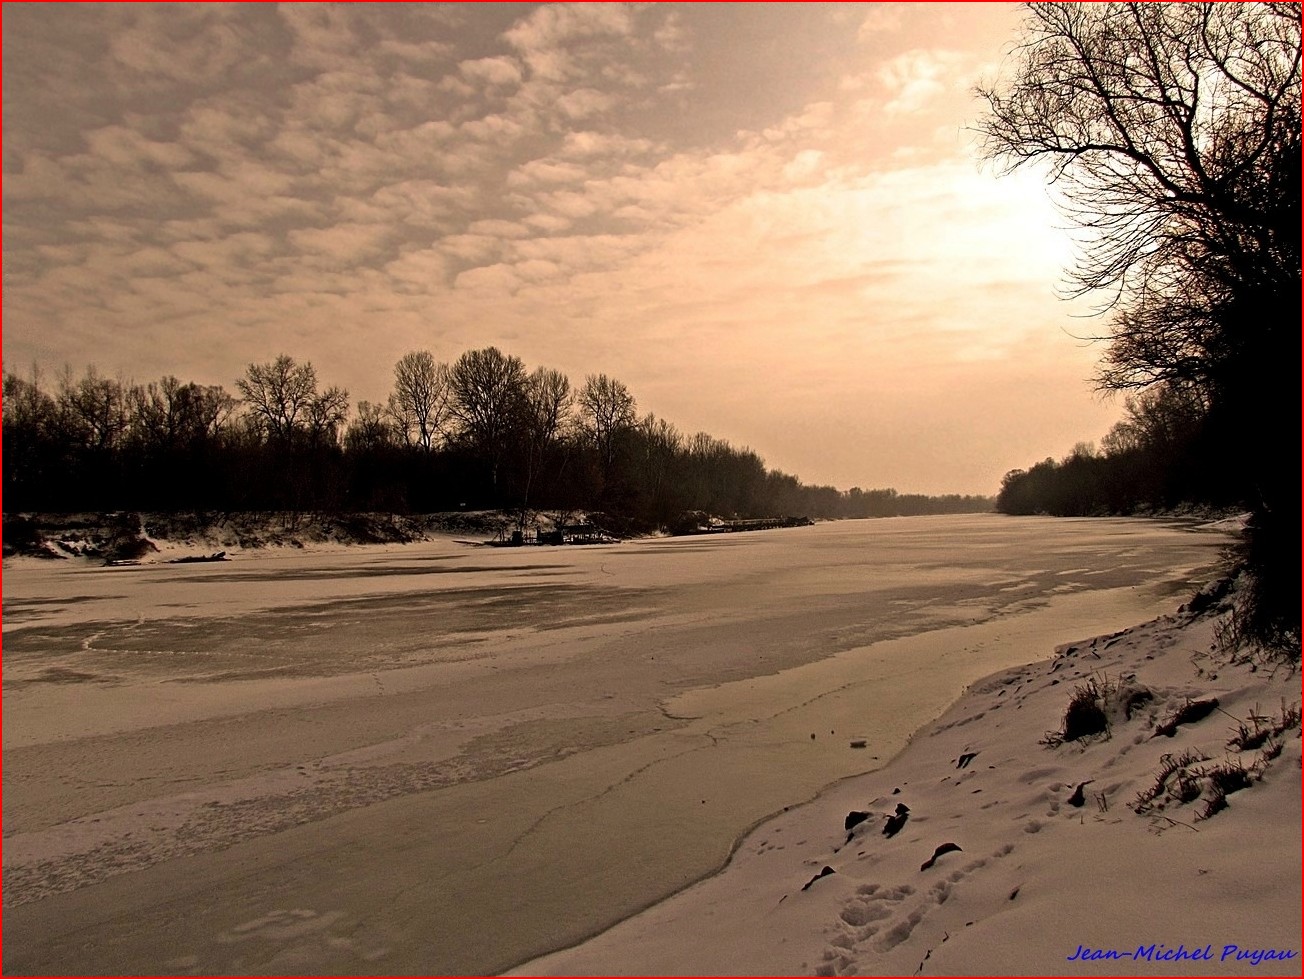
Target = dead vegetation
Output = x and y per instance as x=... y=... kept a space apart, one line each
x=1184 y=789
x=1095 y=706
x=1262 y=728
x=1189 y=713
x=1085 y=713
x=1185 y=778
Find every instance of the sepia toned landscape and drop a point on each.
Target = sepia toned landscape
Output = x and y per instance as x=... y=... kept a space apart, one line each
x=651 y=489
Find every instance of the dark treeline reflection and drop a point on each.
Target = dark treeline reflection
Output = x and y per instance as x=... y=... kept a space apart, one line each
x=480 y=432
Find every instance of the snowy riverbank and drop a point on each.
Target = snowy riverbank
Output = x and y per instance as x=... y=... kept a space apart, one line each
x=1119 y=878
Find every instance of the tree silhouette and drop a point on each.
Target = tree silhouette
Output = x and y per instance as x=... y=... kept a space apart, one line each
x=279 y=394
x=326 y=414
x=606 y=409
x=178 y=446
x=547 y=400
x=488 y=389
x=1173 y=132
x=420 y=405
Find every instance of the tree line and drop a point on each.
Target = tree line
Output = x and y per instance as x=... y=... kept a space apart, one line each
x=481 y=432
x=1163 y=456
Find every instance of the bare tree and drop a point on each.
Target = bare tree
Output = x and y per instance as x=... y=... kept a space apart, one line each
x=487 y=390
x=210 y=406
x=279 y=394
x=1174 y=133
x=606 y=409
x=96 y=407
x=325 y=415
x=420 y=405
x=547 y=400
x=662 y=445
x=371 y=430
x=167 y=414
x=26 y=406
x=1162 y=415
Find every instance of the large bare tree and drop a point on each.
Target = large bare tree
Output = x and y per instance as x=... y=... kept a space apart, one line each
x=168 y=413
x=95 y=407
x=546 y=403
x=1173 y=132
x=325 y=416
x=487 y=388
x=279 y=394
x=606 y=409
x=420 y=405
x=371 y=430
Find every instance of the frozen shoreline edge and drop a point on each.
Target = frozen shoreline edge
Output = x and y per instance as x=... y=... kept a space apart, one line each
x=645 y=936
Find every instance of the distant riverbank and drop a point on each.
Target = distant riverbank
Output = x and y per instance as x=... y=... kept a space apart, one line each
x=132 y=535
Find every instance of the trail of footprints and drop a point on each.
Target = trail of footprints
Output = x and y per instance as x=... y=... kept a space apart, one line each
x=882 y=917
x=879 y=917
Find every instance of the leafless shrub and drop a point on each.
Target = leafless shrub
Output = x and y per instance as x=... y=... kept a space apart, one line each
x=1265 y=727
x=1085 y=715
x=1186 y=788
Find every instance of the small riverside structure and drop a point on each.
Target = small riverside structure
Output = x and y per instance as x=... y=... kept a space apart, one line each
x=756 y=523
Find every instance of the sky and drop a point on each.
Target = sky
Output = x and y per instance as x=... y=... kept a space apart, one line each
x=768 y=220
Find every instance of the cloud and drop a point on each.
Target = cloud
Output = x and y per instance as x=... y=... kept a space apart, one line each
x=496 y=72
x=344 y=244
x=498 y=228
x=227 y=254
x=490 y=280
x=568 y=204
x=543 y=38
x=882 y=18
x=584 y=102
x=125 y=147
x=545 y=172
x=588 y=144
x=497 y=129
x=322 y=35
x=915 y=78
x=225 y=128
x=671 y=34
x=426 y=140
x=422 y=271
x=475 y=249
x=152 y=261
x=424 y=203
x=548 y=222
x=581 y=253
x=85 y=184
x=417 y=54
x=337 y=101
x=192 y=44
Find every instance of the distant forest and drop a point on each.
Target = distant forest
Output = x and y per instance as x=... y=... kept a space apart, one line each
x=1166 y=454
x=478 y=433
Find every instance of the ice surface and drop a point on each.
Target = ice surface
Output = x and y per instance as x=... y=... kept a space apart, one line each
x=440 y=759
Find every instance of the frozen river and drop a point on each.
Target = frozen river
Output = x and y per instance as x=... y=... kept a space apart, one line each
x=442 y=759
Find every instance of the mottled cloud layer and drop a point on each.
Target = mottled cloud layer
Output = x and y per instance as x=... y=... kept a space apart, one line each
x=765 y=219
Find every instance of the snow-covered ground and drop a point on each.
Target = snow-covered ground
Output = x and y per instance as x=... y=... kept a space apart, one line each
x=1105 y=855
x=433 y=758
